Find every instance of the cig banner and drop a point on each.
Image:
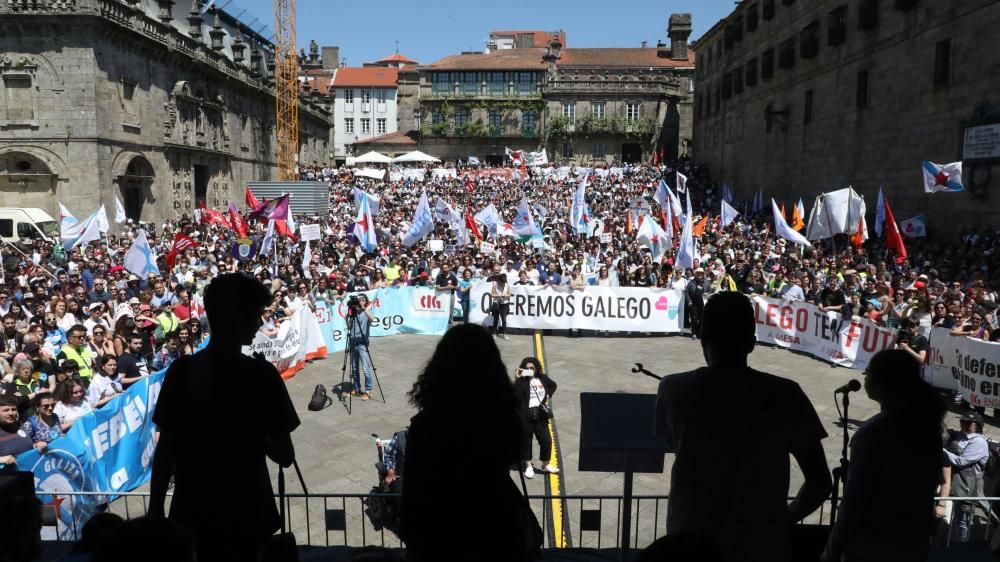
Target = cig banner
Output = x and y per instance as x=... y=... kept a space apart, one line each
x=109 y=450
x=616 y=309
x=826 y=335
x=965 y=365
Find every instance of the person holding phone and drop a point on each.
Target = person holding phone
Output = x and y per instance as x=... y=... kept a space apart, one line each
x=534 y=388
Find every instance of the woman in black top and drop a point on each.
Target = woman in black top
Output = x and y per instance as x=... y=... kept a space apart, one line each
x=533 y=388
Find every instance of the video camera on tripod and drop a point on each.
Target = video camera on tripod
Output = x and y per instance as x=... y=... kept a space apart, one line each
x=353 y=305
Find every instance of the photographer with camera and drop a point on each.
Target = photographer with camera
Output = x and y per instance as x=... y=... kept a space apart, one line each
x=533 y=388
x=358 y=327
x=912 y=341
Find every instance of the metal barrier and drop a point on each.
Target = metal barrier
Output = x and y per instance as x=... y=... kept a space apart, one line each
x=594 y=520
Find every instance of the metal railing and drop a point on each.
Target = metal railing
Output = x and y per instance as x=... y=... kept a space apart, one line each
x=587 y=521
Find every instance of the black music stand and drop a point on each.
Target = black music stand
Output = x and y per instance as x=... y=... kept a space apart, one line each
x=616 y=435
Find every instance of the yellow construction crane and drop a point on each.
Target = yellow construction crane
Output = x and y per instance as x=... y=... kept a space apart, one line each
x=286 y=89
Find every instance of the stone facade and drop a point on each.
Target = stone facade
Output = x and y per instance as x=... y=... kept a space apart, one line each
x=805 y=97
x=582 y=105
x=104 y=98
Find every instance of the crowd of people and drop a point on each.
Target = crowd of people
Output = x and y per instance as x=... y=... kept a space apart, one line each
x=78 y=328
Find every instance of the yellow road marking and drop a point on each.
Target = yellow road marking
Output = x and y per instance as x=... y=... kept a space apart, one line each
x=554 y=483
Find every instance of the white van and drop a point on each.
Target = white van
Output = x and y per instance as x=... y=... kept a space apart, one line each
x=19 y=224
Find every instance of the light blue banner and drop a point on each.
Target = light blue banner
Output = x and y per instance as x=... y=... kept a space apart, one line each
x=109 y=450
x=397 y=310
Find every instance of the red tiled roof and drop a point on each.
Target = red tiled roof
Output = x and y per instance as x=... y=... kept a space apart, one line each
x=506 y=59
x=400 y=137
x=316 y=79
x=622 y=57
x=377 y=76
x=396 y=57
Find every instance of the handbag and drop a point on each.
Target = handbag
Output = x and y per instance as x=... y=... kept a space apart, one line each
x=282 y=547
x=541 y=412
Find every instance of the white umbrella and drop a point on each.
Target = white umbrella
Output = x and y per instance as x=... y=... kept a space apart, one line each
x=373 y=158
x=416 y=156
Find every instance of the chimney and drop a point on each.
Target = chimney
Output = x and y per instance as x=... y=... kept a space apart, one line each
x=679 y=29
x=643 y=44
x=331 y=58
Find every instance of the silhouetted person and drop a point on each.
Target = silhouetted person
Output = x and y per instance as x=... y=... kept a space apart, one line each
x=95 y=531
x=888 y=508
x=732 y=429
x=463 y=441
x=150 y=539
x=222 y=489
x=680 y=548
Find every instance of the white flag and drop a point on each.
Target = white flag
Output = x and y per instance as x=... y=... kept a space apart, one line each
x=265 y=245
x=578 y=211
x=729 y=214
x=682 y=183
x=89 y=230
x=102 y=218
x=490 y=218
x=120 y=212
x=782 y=229
x=685 y=253
x=307 y=257
x=422 y=223
x=140 y=259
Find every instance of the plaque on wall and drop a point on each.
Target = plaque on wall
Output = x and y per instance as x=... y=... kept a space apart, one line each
x=981 y=142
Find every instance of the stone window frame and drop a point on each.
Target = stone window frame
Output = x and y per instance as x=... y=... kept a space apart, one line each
x=24 y=69
x=381 y=126
x=366 y=126
x=603 y=113
x=349 y=125
x=126 y=87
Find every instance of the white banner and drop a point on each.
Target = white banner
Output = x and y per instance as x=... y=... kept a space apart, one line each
x=826 y=335
x=444 y=173
x=299 y=338
x=370 y=173
x=615 y=309
x=967 y=365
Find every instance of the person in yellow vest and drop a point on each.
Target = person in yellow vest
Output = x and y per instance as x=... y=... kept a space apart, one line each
x=77 y=349
x=167 y=320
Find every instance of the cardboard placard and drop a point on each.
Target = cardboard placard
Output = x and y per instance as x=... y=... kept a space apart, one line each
x=309 y=232
x=435 y=245
x=487 y=248
x=605 y=237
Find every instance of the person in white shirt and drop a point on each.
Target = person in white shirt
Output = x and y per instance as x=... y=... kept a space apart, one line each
x=71 y=402
x=104 y=385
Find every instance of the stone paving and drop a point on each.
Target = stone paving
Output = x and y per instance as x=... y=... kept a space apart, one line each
x=336 y=451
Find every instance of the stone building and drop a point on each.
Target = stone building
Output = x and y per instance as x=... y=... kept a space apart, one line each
x=583 y=105
x=160 y=103
x=804 y=97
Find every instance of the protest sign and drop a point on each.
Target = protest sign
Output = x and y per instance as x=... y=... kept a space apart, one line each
x=967 y=365
x=435 y=245
x=620 y=309
x=487 y=248
x=309 y=232
x=605 y=237
x=299 y=339
x=397 y=310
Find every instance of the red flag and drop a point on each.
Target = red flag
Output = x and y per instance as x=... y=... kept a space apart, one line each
x=181 y=242
x=470 y=223
x=655 y=157
x=893 y=239
x=251 y=199
x=211 y=216
x=858 y=238
x=237 y=220
x=469 y=185
x=282 y=227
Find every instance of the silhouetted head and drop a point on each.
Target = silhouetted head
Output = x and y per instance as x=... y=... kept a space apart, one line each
x=234 y=303
x=893 y=379
x=95 y=531
x=681 y=548
x=728 y=329
x=159 y=539
x=465 y=371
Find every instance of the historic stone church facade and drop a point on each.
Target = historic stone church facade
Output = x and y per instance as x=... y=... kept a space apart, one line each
x=160 y=103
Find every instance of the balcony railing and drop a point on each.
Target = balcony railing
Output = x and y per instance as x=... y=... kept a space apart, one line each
x=659 y=87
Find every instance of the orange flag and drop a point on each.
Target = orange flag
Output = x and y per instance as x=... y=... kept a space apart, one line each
x=699 y=227
x=797 y=221
x=628 y=222
x=783 y=214
x=858 y=238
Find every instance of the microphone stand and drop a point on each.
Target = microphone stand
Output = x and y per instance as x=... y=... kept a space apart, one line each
x=840 y=472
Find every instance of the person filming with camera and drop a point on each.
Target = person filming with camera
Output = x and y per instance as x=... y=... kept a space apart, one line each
x=533 y=388
x=912 y=341
x=359 y=321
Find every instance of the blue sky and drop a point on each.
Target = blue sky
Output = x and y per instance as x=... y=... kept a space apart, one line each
x=367 y=30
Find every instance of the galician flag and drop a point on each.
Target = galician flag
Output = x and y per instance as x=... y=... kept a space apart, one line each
x=140 y=259
x=782 y=229
x=728 y=214
x=364 y=227
x=685 y=252
x=650 y=234
x=524 y=223
x=490 y=218
x=422 y=223
x=946 y=177
x=579 y=214
x=73 y=233
x=915 y=227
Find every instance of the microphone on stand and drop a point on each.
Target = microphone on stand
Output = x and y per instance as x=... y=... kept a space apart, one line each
x=852 y=386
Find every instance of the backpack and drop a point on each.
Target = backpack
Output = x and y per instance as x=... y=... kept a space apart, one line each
x=319 y=399
x=993 y=460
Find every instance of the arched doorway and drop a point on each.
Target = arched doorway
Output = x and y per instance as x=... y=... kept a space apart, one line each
x=25 y=181
x=135 y=180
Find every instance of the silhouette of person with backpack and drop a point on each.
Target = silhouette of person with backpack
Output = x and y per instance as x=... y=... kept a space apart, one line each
x=731 y=429
x=222 y=488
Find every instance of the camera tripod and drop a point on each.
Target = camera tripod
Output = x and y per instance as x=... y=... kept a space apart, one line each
x=351 y=354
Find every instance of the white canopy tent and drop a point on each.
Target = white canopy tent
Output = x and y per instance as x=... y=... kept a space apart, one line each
x=837 y=212
x=416 y=156
x=373 y=158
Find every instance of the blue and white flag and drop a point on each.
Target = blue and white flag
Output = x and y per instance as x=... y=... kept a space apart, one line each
x=77 y=233
x=422 y=223
x=650 y=234
x=685 y=252
x=729 y=214
x=579 y=215
x=524 y=223
x=364 y=227
x=915 y=227
x=140 y=259
x=662 y=194
x=879 y=212
x=473 y=161
x=942 y=177
x=782 y=229
x=373 y=201
x=265 y=245
x=490 y=218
